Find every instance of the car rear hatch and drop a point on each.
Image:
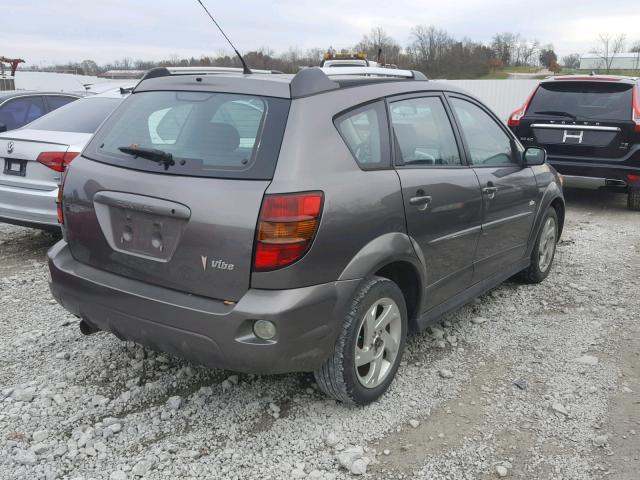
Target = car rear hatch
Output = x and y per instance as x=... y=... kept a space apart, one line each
x=189 y=223
x=19 y=153
x=581 y=118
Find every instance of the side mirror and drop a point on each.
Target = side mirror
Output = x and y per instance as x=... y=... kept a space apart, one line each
x=534 y=156
x=3 y=128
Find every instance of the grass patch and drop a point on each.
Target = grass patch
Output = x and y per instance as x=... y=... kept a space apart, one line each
x=495 y=75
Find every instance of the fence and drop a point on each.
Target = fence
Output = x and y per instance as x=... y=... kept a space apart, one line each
x=502 y=96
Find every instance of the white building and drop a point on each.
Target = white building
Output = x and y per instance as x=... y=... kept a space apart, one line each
x=621 y=61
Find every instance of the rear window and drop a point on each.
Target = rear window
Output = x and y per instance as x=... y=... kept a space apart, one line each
x=208 y=134
x=585 y=100
x=82 y=116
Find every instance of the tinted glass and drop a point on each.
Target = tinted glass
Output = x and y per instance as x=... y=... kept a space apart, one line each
x=361 y=129
x=585 y=100
x=208 y=134
x=55 y=101
x=423 y=132
x=20 y=111
x=488 y=143
x=84 y=116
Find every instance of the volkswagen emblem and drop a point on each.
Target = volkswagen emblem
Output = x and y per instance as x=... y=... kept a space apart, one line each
x=10 y=147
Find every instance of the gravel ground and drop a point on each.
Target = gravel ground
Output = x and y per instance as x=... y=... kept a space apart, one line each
x=534 y=382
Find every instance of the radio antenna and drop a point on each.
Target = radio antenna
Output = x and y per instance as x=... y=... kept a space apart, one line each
x=245 y=68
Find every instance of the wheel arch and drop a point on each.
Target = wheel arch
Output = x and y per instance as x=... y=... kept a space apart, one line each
x=559 y=206
x=392 y=256
x=551 y=198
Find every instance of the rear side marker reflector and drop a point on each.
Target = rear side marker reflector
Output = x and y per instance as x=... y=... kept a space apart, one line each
x=59 y=204
x=287 y=226
x=57 y=161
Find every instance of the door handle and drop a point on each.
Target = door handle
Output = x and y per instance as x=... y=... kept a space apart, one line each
x=490 y=192
x=422 y=200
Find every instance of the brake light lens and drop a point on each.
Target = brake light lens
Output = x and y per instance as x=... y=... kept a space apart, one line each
x=57 y=161
x=515 y=117
x=636 y=108
x=288 y=223
x=633 y=178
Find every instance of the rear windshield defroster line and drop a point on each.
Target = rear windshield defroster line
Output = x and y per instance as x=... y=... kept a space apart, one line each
x=208 y=134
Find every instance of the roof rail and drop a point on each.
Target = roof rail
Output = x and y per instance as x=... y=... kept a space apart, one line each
x=310 y=81
x=166 y=71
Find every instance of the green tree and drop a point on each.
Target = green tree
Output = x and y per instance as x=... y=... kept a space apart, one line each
x=548 y=57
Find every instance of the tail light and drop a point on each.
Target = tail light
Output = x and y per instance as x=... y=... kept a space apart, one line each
x=633 y=178
x=515 y=117
x=287 y=226
x=57 y=161
x=636 y=107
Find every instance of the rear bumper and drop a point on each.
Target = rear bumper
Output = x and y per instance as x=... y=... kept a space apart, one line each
x=612 y=175
x=203 y=330
x=593 y=183
x=30 y=207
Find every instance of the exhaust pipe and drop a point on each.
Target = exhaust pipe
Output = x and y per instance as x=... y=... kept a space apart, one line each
x=86 y=328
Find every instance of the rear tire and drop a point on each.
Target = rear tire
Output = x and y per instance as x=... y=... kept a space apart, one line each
x=369 y=348
x=544 y=249
x=633 y=199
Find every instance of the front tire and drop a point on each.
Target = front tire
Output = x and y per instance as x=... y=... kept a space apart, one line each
x=369 y=348
x=633 y=199
x=544 y=249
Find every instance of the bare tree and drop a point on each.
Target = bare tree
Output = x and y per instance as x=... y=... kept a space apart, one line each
x=636 y=50
x=607 y=49
x=527 y=51
x=429 y=44
x=377 y=41
x=435 y=52
x=505 y=47
x=571 y=61
x=89 y=67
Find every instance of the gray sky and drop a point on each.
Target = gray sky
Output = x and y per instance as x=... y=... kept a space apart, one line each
x=48 y=31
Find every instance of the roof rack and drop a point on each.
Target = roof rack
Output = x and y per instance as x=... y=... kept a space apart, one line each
x=166 y=71
x=310 y=81
x=373 y=71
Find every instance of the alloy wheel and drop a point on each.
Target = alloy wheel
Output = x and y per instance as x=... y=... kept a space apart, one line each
x=547 y=244
x=378 y=341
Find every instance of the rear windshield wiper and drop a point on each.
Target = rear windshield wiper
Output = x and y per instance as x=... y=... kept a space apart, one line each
x=558 y=113
x=155 y=155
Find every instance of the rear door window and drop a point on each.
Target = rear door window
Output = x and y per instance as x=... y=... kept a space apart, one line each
x=584 y=100
x=423 y=133
x=365 y=132
x=208 y=134
x=20 y=111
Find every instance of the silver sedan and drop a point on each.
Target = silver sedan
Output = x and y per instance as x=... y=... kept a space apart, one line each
x=34 y=157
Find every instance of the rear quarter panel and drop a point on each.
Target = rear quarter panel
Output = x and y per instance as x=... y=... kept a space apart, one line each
x=359 y=206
